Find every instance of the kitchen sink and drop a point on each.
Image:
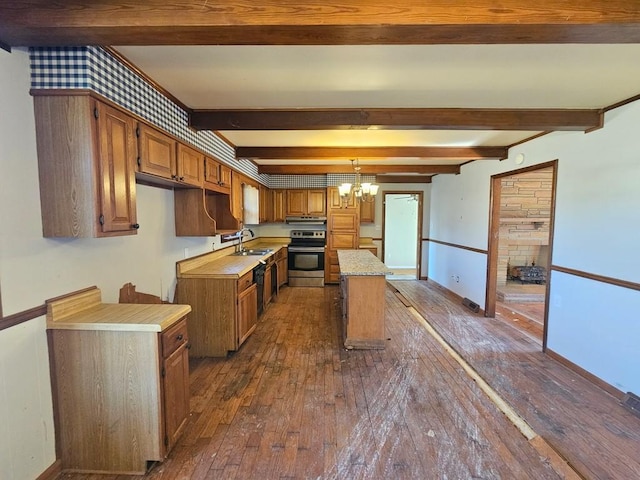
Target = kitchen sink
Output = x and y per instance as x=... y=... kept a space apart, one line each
x=254 y=252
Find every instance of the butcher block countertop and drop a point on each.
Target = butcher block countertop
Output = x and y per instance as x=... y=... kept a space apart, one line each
x=360 y=262
x=84 y=310
x=228 y=265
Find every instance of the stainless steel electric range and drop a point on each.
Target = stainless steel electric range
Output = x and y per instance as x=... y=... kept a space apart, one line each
x=306 y=258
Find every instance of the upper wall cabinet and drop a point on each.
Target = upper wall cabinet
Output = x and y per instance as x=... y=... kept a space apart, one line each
x=86 y=157
x=156 y=152
x=217 y=177
x=190 y=166
x=306 y=202
x=166 y=158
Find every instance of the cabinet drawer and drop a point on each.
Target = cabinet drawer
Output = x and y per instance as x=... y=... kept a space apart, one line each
x=174 y=337
x=245 y=281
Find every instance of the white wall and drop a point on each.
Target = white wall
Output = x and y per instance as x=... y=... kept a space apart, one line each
x=597 y=230
x=33 y=269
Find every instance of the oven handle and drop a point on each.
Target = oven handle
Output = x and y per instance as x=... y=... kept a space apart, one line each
x=306 y=249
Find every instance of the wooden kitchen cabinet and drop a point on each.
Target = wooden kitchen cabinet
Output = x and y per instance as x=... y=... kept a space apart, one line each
x=368 y=211
x=343 y=232
x=279 y=205
x=120 y=382
x=266 y=205
x=247 y=312
x=162 y=156
x=156 y=152
x=189 y=166
x=282 y=262
x=86 y=161
x=224 y=312
x=217 y=177
x=306 y=202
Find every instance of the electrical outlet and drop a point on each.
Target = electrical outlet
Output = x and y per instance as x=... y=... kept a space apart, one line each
x=186 y=252
x=457 y=279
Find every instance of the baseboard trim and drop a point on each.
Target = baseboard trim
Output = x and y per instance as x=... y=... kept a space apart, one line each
x=610 y=389
x=52 y=472
x=452 y=295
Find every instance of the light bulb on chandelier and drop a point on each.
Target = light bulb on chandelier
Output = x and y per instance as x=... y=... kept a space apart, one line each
x=364 y=192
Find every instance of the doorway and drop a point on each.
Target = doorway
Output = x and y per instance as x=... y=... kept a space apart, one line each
x=520 y=247
x=401 y=232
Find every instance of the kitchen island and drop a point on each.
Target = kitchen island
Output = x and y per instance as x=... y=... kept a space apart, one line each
x=362 y=287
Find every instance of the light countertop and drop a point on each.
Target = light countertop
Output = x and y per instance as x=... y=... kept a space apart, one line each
x=84 y=310
x=360 y=262
x=229 y=265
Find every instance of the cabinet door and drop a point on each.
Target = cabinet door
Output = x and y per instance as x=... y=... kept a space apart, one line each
x=367 y=212
x=225 y=176
x=279 y=205
x=156 y=152
x=176 y=394
x=266 y=205
x=211 y=173
x=335 y=202
x=117 y=180
x=247 y=312
x=296 y=202
x=190 y=166
x=346 y=221
x=236 y=196
x=317 y=202
x=268 y=286
x=343 y=240
x=283 y=273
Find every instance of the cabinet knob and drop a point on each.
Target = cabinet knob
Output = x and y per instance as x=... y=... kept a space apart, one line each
x=179 y=337
x=181 y=179
x=135 y=226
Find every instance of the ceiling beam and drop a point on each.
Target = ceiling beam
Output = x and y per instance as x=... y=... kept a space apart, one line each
x=398 y=119
x=316 y=22
x=403 y=179
x=304 y=153
x=364 y=169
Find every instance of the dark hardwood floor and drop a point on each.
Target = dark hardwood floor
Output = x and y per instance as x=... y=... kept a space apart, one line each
x=293 y=404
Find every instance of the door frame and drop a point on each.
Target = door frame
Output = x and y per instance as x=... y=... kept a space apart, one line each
x=494 y=237
x=418 y=233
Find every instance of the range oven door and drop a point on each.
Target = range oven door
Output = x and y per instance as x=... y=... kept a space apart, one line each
x=306 y=266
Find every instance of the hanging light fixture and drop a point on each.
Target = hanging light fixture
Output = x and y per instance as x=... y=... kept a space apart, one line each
x=365 y=192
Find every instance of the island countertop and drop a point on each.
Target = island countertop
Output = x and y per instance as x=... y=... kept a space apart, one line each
x=360 y=262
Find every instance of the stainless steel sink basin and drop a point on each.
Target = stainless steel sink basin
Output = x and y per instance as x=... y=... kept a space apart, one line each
x=253 y=252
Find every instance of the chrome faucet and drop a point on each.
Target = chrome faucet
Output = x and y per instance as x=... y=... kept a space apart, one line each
x=240 y=235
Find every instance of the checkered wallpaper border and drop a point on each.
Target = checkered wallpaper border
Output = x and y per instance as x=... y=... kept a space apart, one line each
x=94 y=68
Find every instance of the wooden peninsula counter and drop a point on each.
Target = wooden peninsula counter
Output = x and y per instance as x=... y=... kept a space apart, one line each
x=362 y=286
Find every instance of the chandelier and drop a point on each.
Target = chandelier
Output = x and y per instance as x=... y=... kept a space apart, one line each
x=365 y=192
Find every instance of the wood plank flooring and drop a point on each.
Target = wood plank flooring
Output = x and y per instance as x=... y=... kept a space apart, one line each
x=294 y=404
x=583 y=423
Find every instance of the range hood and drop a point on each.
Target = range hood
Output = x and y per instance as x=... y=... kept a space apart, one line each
x=306 y=220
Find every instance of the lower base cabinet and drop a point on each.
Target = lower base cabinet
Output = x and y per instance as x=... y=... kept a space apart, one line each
x=121 y=397
x=224 y=312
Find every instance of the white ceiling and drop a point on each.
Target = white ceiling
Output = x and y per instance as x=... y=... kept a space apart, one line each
x=383 y=76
